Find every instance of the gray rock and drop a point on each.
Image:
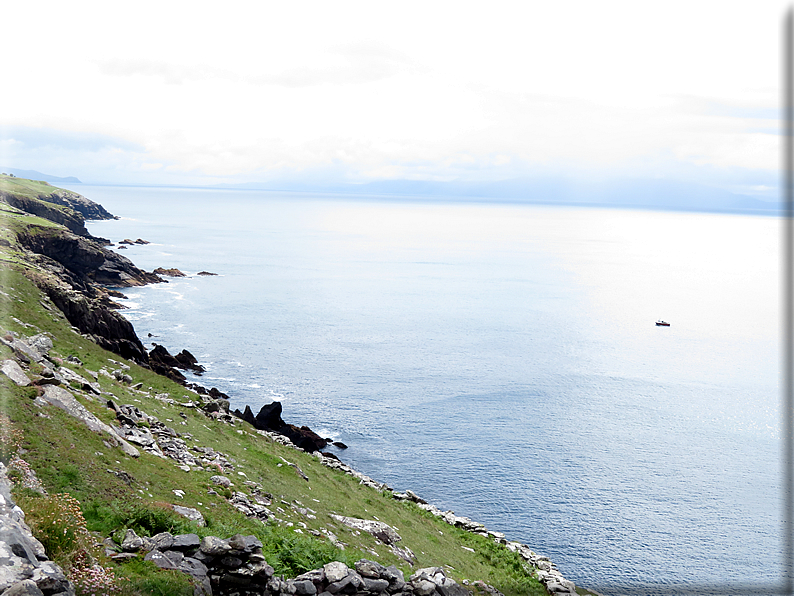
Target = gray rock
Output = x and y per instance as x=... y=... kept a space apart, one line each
x=376 y=586
x=132 y=542
x=452 y=588
x=231 y=562
x=315 y=575
x=395 y=578
x=383 y=532
x=191 y=514
x=221 y=481
x=198 y=571
x=186 y=542
x=335 y=571
x=61 y=398
x=162 y=541
x=216 y=547
x=351 y=582
x=305 y=587
x=369 y=569
x=51 y=579
x=426 y=573
x=165 y=562
x=26 y=587
x=246 y=544
x=424 y=587
x=14 y=372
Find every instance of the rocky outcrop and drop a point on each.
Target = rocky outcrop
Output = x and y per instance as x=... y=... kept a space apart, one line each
x=84 y=258
x=85 y=207
x=164 y=363
x=172 y=272
x=24 y=566
x=269 y=419
x=66 y=217
x=97 y=321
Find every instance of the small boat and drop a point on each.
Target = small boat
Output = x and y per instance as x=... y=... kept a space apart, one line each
x=661 y=323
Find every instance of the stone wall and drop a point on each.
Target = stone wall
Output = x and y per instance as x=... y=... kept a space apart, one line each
x=24 y=566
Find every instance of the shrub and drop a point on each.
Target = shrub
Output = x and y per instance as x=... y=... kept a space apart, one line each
x=292 y=554
x=146 y=519
x=58 y=523
x=91 y=579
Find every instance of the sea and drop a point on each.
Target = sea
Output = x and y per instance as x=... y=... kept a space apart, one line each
x=501 y=360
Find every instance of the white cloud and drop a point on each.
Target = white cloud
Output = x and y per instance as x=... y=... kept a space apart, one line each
x=433 y=90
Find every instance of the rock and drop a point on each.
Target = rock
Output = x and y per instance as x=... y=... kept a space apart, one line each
x=339 y=444
x=395 y=578
x=170 y=560
x=335 y=571
x=163 y=541
x=190 y=513
x=383 y=532
x=168 y=272
x=198 y=571
x=216 y=547
x=269 y=419
x=132 y=542
x=369 y=569
x=64 y=400
x=424 y=587
x=451 y=588
x=304 y=587
x=221 y=481
x=247 y=544
x=186 y=542
x=41 y=343
x=205 y=273
x=351 y=582
x=186 y=361
x=14 y=372
x=26 y=587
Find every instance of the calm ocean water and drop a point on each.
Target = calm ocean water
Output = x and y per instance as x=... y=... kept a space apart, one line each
x=500 y=360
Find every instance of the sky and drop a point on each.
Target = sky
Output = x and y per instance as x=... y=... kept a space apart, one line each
x=328 y=92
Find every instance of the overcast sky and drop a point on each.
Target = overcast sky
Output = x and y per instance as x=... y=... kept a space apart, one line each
x=199 y=93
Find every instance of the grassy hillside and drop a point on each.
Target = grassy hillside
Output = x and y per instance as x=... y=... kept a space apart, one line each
x=116 y=492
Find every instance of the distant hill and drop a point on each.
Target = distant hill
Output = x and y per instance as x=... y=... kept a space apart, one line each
x=643 y=193
x=34 y=175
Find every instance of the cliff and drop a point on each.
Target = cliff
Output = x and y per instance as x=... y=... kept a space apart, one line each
x=103 y=444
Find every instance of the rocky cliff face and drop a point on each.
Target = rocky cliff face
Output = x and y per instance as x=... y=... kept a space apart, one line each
x=85 y=258
x=70 y=219
x=85 y=207
x=76 y=271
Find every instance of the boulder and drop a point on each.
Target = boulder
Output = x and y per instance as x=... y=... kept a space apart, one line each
x=132 y=542
x=216 y=547
x=14 y=372
x=186 y=542
x=190 y=513
x=169 y=272
x=26 y=587
x=335 y=571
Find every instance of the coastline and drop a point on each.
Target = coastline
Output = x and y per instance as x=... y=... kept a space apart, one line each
x=79 y=277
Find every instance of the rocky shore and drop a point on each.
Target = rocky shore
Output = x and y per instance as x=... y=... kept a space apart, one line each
x=78 y=274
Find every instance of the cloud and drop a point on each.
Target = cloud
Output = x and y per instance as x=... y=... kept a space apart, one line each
x=28 y=138
x=168 y=72
x=353 y=63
